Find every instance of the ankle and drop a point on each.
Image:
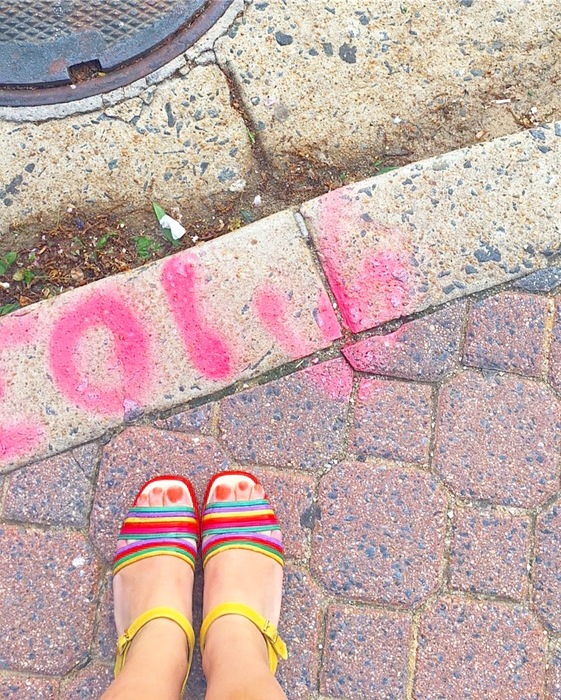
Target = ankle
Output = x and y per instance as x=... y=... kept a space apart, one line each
x=236 y=641
x=159 y=642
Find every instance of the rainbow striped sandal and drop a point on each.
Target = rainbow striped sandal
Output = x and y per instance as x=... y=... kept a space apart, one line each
x=156 y=531
x=241 y=525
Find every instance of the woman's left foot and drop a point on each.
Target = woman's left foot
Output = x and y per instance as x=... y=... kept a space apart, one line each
x=156 y=581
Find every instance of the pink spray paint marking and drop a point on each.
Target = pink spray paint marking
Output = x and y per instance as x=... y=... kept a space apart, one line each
x=128 y=357
x=206 y=349
x=379 y=289
x=372 y=353
x=21 y=435
x=333 y=378
x=326 y=318
x=273 y=309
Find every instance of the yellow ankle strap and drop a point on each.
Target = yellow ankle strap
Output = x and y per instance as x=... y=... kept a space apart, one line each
x=275 y=646
x=125 y=640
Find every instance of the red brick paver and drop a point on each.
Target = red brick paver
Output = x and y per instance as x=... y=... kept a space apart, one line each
x=547 y=589
x=392 y=420
x=470 y=649
x=425 y=349
x=298 y=420
x=507 y=332
x=58 y=490
x=48 y=588
x=300 y=628
x=194 y=421
x=366 y=653
x=18 y=687
x=490 y=553
x=379 y=535
x=555 y=352
x=498 y=439
x=90 y=682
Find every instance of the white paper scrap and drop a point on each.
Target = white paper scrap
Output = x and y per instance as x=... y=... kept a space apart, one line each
x=177 y=230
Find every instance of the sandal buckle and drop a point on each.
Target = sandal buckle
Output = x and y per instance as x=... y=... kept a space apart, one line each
x=270 y=632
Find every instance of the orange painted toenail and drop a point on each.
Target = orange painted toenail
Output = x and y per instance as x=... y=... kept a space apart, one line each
x=222 y=492
x=157 y=490
x=175 y=494
x=243 y=485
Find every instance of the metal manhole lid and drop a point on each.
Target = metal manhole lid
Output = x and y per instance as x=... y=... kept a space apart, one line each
x=44 y=44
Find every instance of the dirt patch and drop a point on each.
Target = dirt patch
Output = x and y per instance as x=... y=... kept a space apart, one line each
x=43 y=258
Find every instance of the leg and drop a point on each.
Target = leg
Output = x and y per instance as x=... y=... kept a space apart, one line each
x=235 y=659
x=156 y=664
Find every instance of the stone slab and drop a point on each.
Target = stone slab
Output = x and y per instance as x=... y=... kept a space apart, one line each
x=340 y=83
x=183 y=145
x=48 y=588
x=507 y=332
x=498 y=439
x=379 y=534
x=426 y=349
x=479 y=650
x=154 y=338
x=440 y=229
x=541 y=281
x=490 y=553
x=297 y=421
x=366 y=653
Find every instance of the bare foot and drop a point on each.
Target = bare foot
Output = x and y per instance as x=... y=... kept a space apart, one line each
x=241 y=576
x=156 y=581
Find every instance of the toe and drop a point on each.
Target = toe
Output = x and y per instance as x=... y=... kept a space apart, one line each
x=157 y=496
x=222 y=492
x=176 y=493
x=143 y=500
x=243 y=490
x=257 y=493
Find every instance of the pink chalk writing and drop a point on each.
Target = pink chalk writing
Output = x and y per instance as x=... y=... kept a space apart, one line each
x=19 y=435
x=20 y=438
x=377 y=289
x=276 y=311
x=207 y=350
x=326 y=318
x=127 y=369
x=334 y=379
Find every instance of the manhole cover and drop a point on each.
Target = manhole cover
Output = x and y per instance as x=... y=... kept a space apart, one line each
x=59 y=50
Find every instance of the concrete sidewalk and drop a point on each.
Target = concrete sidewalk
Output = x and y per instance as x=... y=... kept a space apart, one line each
x=386 y=357
x=389 y=367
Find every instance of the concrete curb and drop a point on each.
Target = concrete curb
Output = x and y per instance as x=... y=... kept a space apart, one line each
x=234 y=308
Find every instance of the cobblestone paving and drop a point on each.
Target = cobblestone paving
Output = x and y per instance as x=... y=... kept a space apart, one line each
x=416 y=477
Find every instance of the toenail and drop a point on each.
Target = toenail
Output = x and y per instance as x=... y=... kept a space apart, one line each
x=157 y=490
x=243 y=485
x=175 y=493
x=222 y=492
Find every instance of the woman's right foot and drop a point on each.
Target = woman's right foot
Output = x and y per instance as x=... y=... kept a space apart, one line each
x=241 y=576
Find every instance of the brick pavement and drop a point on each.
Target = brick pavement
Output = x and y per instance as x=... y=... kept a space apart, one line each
x=416 y=477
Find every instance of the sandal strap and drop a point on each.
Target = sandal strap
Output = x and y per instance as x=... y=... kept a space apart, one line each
x=275 y=646
x=240 y=525
x=125 y=640
x=153 y=531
